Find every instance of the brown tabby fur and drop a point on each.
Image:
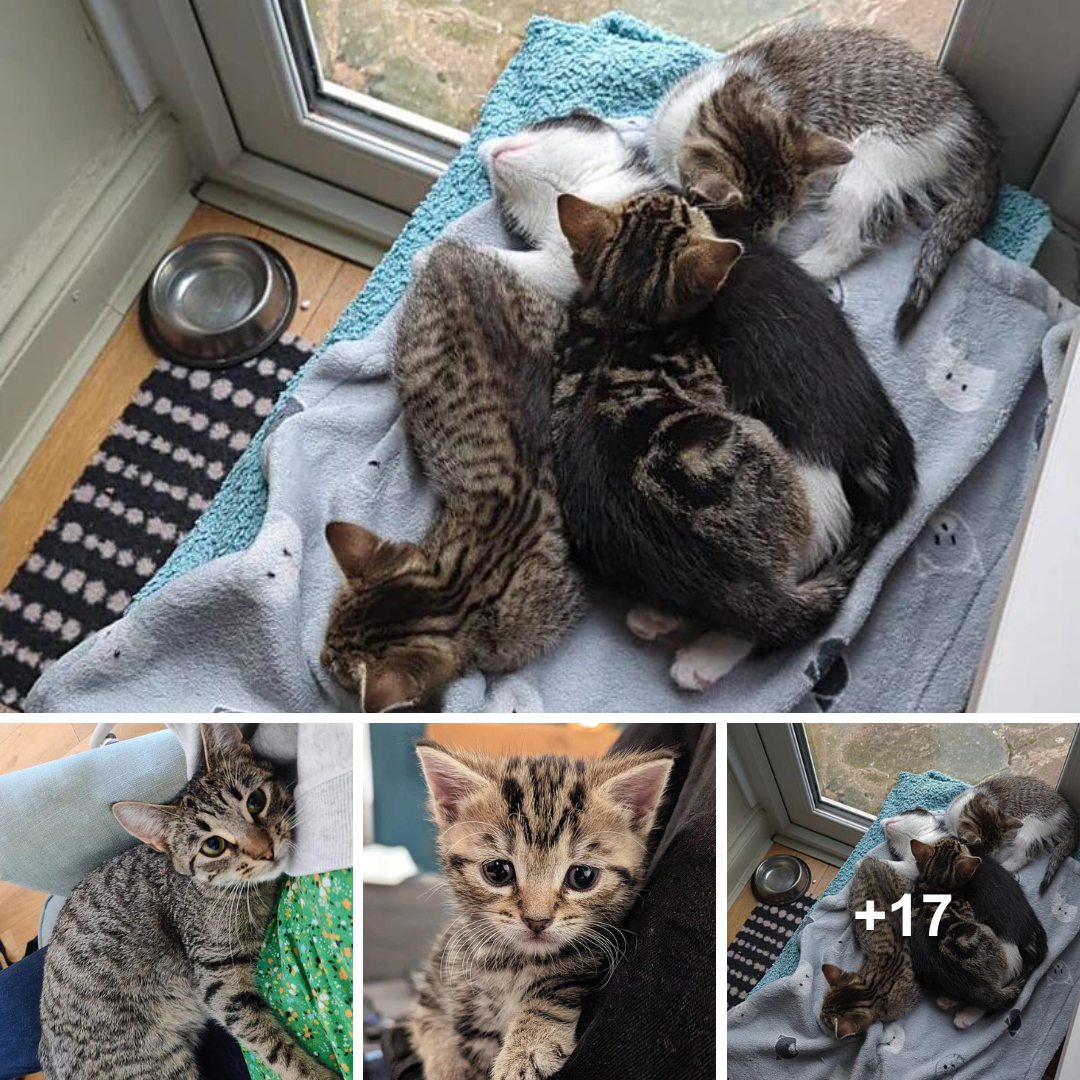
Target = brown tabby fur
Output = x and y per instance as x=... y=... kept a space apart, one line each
x=491 y=585
x=884 y=988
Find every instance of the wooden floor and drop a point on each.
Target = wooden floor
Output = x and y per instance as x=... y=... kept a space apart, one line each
x=21 y=746
x=821 y=873
x=326 y=285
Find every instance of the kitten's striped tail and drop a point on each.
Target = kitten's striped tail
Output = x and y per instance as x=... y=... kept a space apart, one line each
x=956 y=222
x=1065 y=846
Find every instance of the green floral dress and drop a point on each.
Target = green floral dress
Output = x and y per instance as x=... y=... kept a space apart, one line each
x=305 y=971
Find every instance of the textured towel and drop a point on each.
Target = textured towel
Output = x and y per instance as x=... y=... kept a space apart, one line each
x=251 y=624
x=779 y=1020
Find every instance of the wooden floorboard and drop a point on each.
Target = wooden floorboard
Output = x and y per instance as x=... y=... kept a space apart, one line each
x=821 y=874
x=325 y=284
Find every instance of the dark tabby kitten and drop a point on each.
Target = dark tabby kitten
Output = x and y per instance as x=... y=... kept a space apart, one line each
x=491 y=585
x=989 y=941
x=670 y=493
x=751 y=130
x=884 y=988
x=162 y=938
x=1014 y=819
x=543 y=857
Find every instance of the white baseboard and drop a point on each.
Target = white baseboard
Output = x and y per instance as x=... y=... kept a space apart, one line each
x=86 y=270
x=746 y=849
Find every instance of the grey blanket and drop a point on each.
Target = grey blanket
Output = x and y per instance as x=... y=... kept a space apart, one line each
x=779 y=1023
x=244 y=632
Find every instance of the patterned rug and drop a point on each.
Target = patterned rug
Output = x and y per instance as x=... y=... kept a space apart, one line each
x=759 y=943
x=138 y=497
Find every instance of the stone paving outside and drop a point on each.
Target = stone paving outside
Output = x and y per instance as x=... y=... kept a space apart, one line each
x=440 y=59
x=857 y=764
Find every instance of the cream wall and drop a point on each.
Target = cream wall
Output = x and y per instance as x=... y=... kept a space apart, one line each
x=748 y=836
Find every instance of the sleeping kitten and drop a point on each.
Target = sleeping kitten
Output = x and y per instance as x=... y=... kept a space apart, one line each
x=165 y=936
x=668 y=493
x=884 y=988
x=1014 y=819
x=491 y=586
x=918 y=824
x=754 y=129
x=543 y=857
x=990 y=940
x=813 y=389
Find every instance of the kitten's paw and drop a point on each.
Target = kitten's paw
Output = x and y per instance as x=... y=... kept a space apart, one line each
x=420 y=259
x=519 y=1063
x=966 y=1017
x=947 y=1003
x=703 y=662
x=648 y=624
x=822 y=263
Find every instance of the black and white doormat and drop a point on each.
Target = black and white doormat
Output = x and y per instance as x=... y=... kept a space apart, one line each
x=759 y=943
x=138 y=497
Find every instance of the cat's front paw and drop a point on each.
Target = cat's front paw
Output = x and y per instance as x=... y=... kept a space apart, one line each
x=648 y=624
x=821 y=263
x=966 y=1017
x=520 y=1063
x=703 y=662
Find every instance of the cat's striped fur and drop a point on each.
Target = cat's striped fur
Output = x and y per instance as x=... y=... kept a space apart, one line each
x=162 y=938
x=884 y=988
x=491 y=585
x=502 y=989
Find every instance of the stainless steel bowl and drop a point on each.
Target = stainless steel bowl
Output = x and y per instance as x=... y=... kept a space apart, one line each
x=218 y=300
x=779 y=879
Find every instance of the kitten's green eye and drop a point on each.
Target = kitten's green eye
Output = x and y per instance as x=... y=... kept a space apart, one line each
x=582 y=877
x=213 y=846
x=256 y=801
x=499 y=872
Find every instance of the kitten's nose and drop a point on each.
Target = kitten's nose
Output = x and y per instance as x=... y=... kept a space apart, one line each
x=536 y=925
x=260 y=847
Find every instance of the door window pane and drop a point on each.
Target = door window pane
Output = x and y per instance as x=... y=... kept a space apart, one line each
x=857 y=764
x=439 y=59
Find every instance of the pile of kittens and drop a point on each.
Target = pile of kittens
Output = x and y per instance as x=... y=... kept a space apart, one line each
x=651 y=391
x=988 y=941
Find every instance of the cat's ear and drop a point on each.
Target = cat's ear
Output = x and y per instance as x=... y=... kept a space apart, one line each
x=221 y=743
x=450 y=781
x=384 y=688
x=585 y=225
x=716 y=192
x=920 y=852
x=145 y=821
x=968 y=835
x=846 y=1026
x=966 y=865
x=820 y=151
x=1012 y=824
x=705 y=265
x=832 y=974
x=353 y=546
x=638 y=787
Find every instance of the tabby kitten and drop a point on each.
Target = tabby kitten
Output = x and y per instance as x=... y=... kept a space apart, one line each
x=543 y=857
x=165 y=936
x=989 y=941
x=1013 y=819
x=752 y=131
x=669 y=494
x=884 y=988
x=491 y=586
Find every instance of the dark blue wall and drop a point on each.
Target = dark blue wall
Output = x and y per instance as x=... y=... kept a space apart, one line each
x=400 y=792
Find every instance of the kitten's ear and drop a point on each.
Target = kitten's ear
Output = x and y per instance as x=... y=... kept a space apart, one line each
x=920 y=852
x=145 y=821
x=638 y=788
x=968 y=835
x=705 y=265
x=716 y=192
x=353 y=546
x=221 y=743
x=820 y=151
x=449 y=781
x=966 y=865
x=384 y=688
x=845 y=1026
x=584 y=224
x=832 y=974
x=1012 y=824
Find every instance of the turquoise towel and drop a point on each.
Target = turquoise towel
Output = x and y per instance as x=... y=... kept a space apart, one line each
x=614 y=66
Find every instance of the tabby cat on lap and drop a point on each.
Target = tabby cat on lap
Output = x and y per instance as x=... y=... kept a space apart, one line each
x=491 y=586
x=667 y=493
x=752 y=130
x=165 y=936
x=543 y=857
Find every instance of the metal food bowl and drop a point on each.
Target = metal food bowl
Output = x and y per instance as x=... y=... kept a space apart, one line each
x=780 y=879
x=218 y=300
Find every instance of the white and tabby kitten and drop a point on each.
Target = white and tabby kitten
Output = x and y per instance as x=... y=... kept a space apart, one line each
x=543 y=857
x=751 y=131
x=164 y=937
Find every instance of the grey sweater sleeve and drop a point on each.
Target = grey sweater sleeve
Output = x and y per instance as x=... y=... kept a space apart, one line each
x=320 y=757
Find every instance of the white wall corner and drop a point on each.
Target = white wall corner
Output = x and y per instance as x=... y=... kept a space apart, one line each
x=745 y=850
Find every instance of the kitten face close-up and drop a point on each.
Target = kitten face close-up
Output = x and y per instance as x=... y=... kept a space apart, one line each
x=547 y=852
